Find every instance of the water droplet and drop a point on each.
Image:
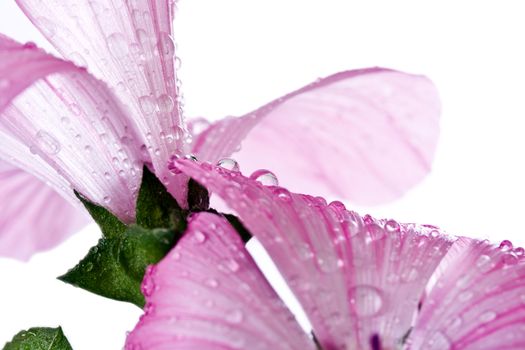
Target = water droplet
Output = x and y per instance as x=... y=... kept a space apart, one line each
x=304 y=251
x=48 y=28
x=107 y=199
x=410 y=275
x=505 y=246
x=147 y=104
x=65 y=120
x=75 y=109
x=88 y=267
x=487 y=316
x=484 y=263
x=47 y=143
x=392 y=226
x=337 y=205
x=234 y=316
x=118 y=45
x=165 y=103
x=229 y=164
x=327 y=261
x=367 y=301
x=199 y=237
x=121 y=173
x=29 y=45
x=229 y=265
x=87 y=148
x=265 y=177
x=465 y=296
x=165 y=45
x=519 y=251
x=439 y=341
x=282 y=194
x=212 y=282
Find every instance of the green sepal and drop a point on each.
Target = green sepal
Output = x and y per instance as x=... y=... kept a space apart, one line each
x=198 y=196
x=39 y=339
x=239 y=227
x=109 y=224
x=115 y=267
x=156 y=208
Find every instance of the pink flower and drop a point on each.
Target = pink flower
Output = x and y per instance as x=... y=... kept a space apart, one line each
x=363 y=283
x=367 y=135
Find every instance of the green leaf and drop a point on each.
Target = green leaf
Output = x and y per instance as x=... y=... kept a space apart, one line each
x=156 y=208
x=198 y=197
x=115 y=267
x=39 y=339
x=109 y=224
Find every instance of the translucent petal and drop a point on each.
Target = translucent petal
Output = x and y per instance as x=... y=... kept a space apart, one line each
x=129 y=45
x=207 y=293
x=478 y=300
x=356 y=278
x=33 y=216
x=366 y=135
x=67 y=128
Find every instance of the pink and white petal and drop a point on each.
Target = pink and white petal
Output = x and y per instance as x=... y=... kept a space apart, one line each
x=127 y=44
x=208 y=293
x=477 y=302
x=367 y=135
x=33 y=216
x=358 y=279
x=66 y=124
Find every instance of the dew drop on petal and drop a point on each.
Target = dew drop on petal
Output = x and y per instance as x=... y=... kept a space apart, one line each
x=234 y=316
x=198 y=125
x=107 y=199
x=47 y=143
x=118 y=45
x=199 y=237
x=265 y=177
x=165 y=45
x=366 y=300
x=282 y=194
x=438 y=340
x=505 y=246
x=487 y=316
x=165 y=103
x=211 y=282
x=147 y=104
x=229 y=164
x=392 y=226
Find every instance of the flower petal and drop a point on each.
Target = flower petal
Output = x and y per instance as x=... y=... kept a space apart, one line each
x=356 y=278
x=67 y=125
x=367 y=135
x=28 y=215
x=478 y=301
x=127 y=44
x=207 y=293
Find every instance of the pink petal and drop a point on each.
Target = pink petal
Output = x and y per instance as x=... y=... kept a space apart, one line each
x=478 y=301
x=355 y=278
x=33 y=216
x=367 y=135
x=67 y=129
x=127 y=44
x=207 y=293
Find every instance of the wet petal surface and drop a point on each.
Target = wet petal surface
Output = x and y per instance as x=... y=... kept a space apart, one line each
x=478 y=301
x=207 y=293
x=356 y=277
x=67 y=128
x=129 y=45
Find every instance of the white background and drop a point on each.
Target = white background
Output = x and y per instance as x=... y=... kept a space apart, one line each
x=237 y=55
